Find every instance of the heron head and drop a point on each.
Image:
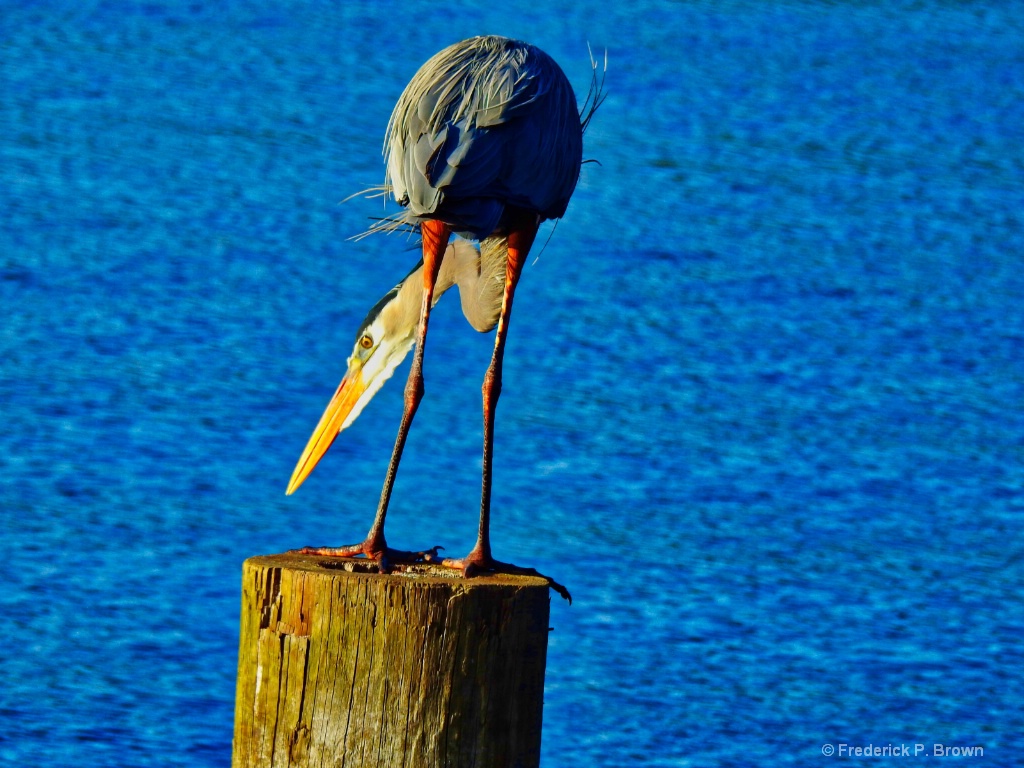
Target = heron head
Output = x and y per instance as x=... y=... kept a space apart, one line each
x=382 y=342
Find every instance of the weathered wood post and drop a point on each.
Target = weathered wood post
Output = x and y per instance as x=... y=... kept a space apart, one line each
x=338 y=666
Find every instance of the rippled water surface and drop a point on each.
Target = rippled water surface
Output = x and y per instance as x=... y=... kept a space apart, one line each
x=762 y=408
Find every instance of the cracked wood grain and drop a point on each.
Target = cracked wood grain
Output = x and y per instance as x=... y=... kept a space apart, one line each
x=344 y=668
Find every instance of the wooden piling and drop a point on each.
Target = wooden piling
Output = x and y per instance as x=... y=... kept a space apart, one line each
x=339 y=666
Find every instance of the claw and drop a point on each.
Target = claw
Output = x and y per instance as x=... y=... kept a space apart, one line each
x=431 y=555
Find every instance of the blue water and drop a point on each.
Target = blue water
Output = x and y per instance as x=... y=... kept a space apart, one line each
x=762 y=409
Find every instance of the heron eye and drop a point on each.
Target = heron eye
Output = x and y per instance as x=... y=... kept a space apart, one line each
x=366 y=342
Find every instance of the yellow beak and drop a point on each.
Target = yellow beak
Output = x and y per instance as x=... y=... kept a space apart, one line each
x=345 y=398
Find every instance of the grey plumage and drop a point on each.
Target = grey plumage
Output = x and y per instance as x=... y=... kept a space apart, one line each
x=486 y=123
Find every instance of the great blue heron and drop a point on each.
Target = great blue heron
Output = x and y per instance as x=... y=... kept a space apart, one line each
x=486 y=141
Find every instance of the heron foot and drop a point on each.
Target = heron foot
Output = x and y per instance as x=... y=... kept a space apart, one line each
x=383 y=555
x=476 y=563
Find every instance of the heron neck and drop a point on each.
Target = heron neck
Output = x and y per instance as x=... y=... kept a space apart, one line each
x=480 y=282
x=410 y=292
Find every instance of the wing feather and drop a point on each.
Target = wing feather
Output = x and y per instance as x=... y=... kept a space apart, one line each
x=484 y=123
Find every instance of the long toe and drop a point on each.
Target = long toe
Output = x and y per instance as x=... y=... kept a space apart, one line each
x=349 y=550
x=385 y=557
x=475 y=564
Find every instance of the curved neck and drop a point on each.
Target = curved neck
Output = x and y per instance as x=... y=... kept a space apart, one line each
x=480 y=278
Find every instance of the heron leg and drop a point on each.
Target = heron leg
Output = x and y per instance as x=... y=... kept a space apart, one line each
x=519 y=242
x=520 y=239
x=435 y=240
